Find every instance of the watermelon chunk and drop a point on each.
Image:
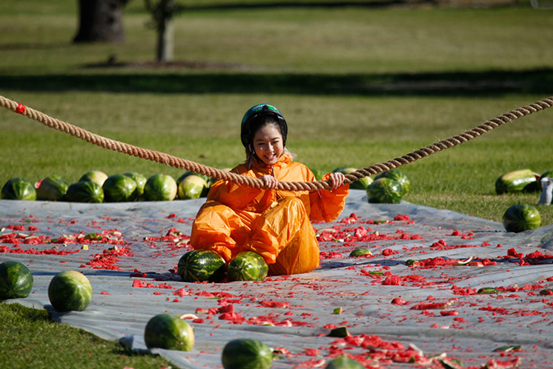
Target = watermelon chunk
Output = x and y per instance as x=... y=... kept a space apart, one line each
x=16 y=280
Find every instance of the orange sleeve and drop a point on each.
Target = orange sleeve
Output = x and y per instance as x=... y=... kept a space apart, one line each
x=327 y=205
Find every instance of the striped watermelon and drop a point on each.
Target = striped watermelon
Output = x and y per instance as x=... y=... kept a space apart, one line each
x=521 y=217
x=247 y=266
x=247 y=354
x=160 y=187
x=201 y=265
x=84 y=191
x=384 y=191
x=169 y=332
x=95 y=176
x=16 y=280
x=52 y=188
x=18 y=189
x=69 y=290
x=119 y=188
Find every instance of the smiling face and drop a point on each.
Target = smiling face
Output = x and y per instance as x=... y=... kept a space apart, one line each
x=268 y=144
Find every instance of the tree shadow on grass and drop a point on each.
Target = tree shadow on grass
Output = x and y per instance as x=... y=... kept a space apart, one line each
x=480 y=83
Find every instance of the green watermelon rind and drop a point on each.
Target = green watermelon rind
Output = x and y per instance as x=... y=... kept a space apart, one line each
x=344 y=362
x=399 y=177
x=119 y=188
x=247 y=266
x=169 y=332
x=201 y=265
x=16 y=280
x=84 y=191
x=52 y=188
x=18 y=189
x=245 y=353
x=521 y=217
x=384 y=191
x=70 y=291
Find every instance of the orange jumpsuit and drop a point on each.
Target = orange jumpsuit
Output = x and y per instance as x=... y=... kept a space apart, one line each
x=273 y=223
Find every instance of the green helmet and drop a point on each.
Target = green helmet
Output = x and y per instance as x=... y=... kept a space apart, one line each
x=251 y=116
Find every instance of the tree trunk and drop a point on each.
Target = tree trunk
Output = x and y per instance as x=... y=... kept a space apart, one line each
x=165 y=41
x=101 y=21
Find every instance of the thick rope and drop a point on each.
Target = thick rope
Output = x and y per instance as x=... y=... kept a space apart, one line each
x=176 y=162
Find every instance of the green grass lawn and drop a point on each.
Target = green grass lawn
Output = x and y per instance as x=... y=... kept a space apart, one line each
x=358 y=86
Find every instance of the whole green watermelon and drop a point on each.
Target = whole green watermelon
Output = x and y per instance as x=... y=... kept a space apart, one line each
x=70 y=290
x=344 y=362
x=247 y=266
x=399 y=177
x=361 y=184
x=201 y=265
x=140 y=181
x=517 y=181
x=119 y=188
x=18 y=189
x=521 y=217
x=318 y=174
x=96 y=176
x=384 y=191
x=247 y=354
x=160 y=187
x=16 y=280
x=191 y=187
x=169 y=332
x=52 y=188
x=85 y=191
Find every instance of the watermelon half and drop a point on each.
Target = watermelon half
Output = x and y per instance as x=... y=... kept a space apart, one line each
x=52 y=188
x=160 y=187
x=168 y=332
x=247 y=266
x=517 y=181
x=95 y=176
x=344 y=362
x=18 y=189
x=247 y=354
x=399 y=177
x=16 y=280
x=119 y=188
x=201 y=265
x=384 y=191
x=521 y=217
x=140 y=181
x=70 y=290
x=85 y=191
x=361 y=184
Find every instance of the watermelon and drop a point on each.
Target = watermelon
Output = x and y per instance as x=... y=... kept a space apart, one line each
x=168 y=332
x=399 y=177
x=360 y=252
x=361 y=184
x=69 y=290
x=344 y=362
x=318 y=174
x=521 y=217
x=16 y=280
x=247 y=266
x=247 y=353
x=201 y=265
x=160 y=187
x=384 y=191
x=517 y=181
x=140 y=181
x=52 y=188
x=85 y=191
x=119 y=188
x=95 y=176
x=191 y=187
x=18 y=189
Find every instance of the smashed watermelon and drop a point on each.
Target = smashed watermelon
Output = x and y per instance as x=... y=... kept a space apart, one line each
x=52 y=188
x=70 y=290
x=84 y=191
x=201 y=265
x=247 y=266
x=160 y=187
x=247 y=354
x=169 y=332
x=521 y=217
x=16 y=280
x=384 y=191
x=18 y=189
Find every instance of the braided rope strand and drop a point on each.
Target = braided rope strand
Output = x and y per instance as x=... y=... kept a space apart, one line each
x=173 y=161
